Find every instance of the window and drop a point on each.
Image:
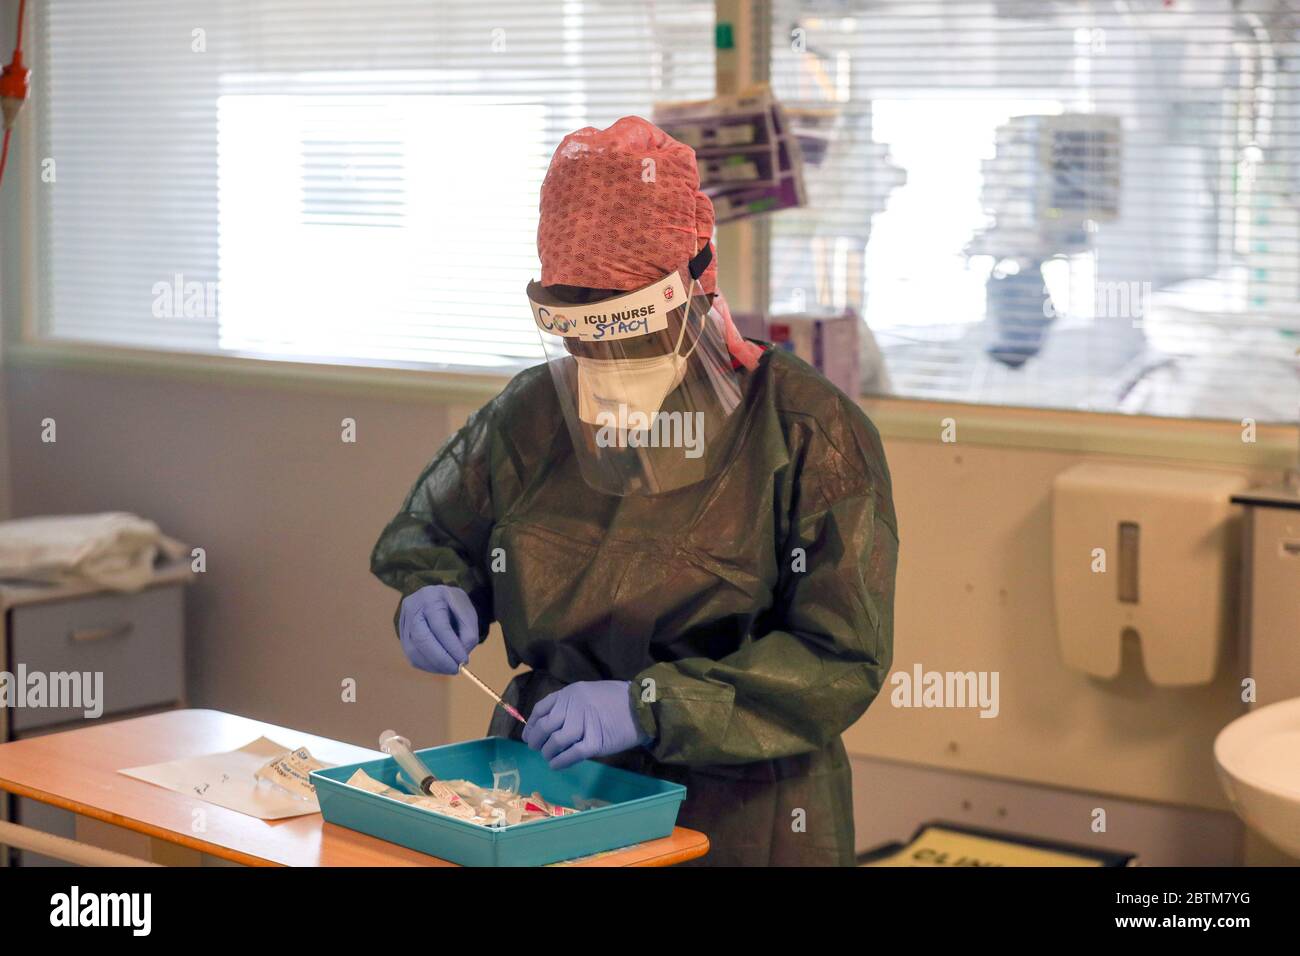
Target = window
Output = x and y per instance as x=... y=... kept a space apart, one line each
x=1087 y=205
x=326 y=180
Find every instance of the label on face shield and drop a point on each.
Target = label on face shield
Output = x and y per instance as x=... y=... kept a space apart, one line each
x=622 y=317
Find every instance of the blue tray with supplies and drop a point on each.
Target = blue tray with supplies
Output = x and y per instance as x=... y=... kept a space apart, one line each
x=638 y=808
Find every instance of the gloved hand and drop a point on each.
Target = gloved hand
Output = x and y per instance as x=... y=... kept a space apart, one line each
x=438 y=627
x=591 y=718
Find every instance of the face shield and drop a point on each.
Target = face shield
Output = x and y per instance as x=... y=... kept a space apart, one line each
x=644 y=379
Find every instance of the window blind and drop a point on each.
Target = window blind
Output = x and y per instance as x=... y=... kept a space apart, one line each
x=1077 y=204
x=325 y=180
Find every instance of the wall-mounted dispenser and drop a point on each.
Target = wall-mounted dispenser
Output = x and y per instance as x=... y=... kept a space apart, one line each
x=1149 y=550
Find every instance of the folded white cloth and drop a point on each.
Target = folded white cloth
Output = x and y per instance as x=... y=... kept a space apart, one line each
x=114 y=550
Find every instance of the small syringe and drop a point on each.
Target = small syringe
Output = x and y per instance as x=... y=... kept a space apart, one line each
x=494 y=695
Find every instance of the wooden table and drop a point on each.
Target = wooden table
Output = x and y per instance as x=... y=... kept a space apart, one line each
x=77 y=770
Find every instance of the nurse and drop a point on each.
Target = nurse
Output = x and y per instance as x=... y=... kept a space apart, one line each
x=687 y=538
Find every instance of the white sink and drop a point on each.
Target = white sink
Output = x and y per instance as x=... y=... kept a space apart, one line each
x=1258 y=760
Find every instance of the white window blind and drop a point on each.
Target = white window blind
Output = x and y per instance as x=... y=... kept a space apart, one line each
x=326 y=180
x=1100 y=207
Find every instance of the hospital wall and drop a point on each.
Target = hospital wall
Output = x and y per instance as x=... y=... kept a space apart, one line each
x=287 y=513
x=287 y=610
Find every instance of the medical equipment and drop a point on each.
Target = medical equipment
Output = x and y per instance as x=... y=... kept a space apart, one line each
x=636 y=807
x=1051 y=180
x=500 y=805
x=494 y=695
x=15 y=82
x=291 y=772
x=399 y=748
x=467 y=801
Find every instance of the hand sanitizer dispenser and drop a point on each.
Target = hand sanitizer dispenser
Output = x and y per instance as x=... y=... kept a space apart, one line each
x=1149 y=551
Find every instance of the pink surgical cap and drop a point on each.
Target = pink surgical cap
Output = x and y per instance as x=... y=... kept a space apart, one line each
x=622 y=207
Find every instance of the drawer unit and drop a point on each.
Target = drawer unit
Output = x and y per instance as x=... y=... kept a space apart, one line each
x=133 y=640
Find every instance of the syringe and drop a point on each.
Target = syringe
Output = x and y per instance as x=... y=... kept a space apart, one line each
x=494 y=695
x=399 y=748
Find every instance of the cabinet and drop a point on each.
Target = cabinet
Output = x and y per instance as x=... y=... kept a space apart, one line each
x=71 y=654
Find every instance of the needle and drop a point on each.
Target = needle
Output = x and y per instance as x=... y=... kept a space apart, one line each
x=494 y=695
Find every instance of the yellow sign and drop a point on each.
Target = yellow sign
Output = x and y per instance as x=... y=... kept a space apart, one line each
x=935 y=846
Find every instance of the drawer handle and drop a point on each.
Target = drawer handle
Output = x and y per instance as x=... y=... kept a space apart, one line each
x=87 y=634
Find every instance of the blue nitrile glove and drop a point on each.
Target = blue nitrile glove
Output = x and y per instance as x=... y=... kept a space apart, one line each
x=591 y=718
x=438 y=627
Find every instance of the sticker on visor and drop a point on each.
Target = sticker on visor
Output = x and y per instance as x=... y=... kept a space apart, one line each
x=622 y=317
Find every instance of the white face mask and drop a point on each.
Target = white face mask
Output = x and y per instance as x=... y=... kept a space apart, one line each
x=639 y=385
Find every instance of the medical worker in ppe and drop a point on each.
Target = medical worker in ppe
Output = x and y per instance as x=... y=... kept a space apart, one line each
x=688 y=539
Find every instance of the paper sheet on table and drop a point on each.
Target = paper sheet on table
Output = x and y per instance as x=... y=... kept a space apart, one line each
x=230 y=780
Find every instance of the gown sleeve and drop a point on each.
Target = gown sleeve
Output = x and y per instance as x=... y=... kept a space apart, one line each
x=797 y=687
x=440 y=535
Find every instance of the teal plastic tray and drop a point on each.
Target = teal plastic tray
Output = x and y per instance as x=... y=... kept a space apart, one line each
x=640 y=808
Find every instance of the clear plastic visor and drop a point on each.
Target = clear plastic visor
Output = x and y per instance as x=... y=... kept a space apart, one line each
x=644 y=379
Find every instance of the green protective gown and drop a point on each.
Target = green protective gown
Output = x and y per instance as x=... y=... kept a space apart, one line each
x=752 y=612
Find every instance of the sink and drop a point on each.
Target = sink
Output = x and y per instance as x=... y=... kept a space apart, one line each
x=1258 y=760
